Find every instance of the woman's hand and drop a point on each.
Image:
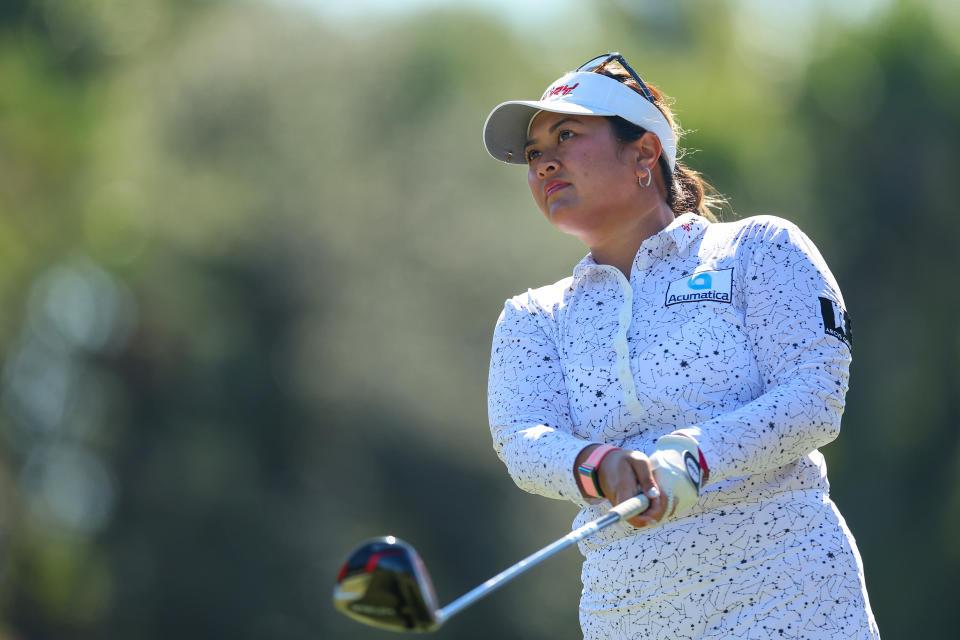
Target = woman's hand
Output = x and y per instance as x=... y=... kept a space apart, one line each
x=671 y=479
x=622 y=475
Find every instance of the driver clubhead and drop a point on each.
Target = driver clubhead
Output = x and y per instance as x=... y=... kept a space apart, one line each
x=385 y=584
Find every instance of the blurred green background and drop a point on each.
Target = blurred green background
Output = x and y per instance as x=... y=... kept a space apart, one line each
x=251 y=255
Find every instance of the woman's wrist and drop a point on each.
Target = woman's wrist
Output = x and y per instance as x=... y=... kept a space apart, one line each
x=587 y=469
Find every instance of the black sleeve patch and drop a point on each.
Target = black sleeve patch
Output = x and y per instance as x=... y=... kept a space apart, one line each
x=836 y=321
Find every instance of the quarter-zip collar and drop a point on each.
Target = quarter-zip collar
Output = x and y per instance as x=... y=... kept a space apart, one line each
x=685 y=229
x=681 y=233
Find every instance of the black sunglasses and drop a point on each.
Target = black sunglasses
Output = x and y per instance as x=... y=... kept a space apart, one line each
x=598 y=63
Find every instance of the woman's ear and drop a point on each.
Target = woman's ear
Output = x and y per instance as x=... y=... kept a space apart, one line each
x=648 y=151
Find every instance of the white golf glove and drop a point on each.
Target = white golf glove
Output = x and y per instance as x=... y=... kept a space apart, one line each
x=676 y=468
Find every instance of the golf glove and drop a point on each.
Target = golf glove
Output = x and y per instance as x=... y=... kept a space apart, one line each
x=676 y=468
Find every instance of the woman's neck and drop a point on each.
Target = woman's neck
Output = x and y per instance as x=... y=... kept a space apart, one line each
x=620 y=249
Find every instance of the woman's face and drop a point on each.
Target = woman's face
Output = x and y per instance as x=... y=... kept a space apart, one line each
x=582 y=178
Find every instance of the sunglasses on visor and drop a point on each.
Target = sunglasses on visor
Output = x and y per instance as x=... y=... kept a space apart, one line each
x=596 y=64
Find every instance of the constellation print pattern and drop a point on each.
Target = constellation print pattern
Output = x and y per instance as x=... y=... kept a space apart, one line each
x=734 y=334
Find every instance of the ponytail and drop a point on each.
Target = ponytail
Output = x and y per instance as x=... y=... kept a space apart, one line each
x=688 y=192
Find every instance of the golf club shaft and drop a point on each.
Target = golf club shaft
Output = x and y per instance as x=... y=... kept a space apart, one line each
x=627 y=509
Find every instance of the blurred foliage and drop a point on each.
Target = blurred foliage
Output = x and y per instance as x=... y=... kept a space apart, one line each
x=250 y=262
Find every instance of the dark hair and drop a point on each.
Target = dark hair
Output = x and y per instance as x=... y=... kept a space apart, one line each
x=686 y=189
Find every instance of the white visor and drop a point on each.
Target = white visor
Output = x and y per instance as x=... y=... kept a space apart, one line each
x=583 y=93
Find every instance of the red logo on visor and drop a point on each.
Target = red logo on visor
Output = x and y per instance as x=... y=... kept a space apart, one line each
x=686 y=227
x=562 y=90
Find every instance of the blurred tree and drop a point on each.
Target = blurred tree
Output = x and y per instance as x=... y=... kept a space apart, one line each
x=883 y=109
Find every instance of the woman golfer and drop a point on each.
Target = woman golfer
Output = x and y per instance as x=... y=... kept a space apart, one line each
x=703 y=362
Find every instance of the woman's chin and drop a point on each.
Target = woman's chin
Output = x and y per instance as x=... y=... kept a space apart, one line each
x=562 y=215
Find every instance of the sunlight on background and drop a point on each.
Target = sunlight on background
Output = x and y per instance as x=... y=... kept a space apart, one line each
x=58 y=402
x=526 y=12
x=567 y=16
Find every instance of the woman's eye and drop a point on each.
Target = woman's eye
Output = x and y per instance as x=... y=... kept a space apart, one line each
x=563 y=135
x=532 y=155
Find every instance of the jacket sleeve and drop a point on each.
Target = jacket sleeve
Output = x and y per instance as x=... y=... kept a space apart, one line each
x=801 y=339
x=528 y=406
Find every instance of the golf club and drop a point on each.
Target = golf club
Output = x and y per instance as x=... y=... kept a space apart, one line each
x=385 y=584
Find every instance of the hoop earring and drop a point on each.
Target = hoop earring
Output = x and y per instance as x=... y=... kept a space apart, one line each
x=649 y=178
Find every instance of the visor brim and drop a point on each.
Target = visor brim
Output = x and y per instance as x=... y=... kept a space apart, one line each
x=505 y=131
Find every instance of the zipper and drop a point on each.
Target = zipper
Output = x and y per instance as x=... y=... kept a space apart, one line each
x=624 y=372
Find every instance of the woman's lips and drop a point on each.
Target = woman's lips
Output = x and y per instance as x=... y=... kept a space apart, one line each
x=553 y=186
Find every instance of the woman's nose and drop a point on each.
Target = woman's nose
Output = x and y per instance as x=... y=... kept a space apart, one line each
x=546 y=166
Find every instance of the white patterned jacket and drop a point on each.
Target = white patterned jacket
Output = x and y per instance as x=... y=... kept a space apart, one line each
x=733 y=333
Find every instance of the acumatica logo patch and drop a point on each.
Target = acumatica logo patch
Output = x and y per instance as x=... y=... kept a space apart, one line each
x=703 y=286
